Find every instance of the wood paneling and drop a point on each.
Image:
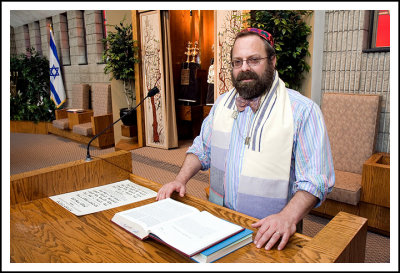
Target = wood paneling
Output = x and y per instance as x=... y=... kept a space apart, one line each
x=103 y=141
x=61 y=113
x=378 y=216
x=207 y=40
x=79 y=118
x=334 y=239
x=127 y=144
x=42 y=231
x=29 y=127
x=69 y=177
x=374 y=202
x=129 y=131
x=180 y=23
x=138 y=83
x=375 y=183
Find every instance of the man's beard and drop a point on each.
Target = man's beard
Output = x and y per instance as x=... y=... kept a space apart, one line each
x=255 y=88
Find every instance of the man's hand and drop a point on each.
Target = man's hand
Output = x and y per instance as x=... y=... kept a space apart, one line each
x=283 y=224
x=167 y=190
x=191 y=165
x=273 y=228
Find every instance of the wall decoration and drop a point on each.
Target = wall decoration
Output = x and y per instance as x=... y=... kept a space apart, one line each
x=228 y=24
x=158 y=114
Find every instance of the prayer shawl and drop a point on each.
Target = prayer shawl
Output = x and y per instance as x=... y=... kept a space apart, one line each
x=264 y=179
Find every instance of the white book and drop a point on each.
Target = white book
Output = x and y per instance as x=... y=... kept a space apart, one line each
x=75 y=110
x=182 y=227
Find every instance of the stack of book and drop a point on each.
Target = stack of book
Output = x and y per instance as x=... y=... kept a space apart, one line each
x=196 y=234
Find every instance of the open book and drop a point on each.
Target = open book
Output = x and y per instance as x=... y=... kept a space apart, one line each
x=182 y=227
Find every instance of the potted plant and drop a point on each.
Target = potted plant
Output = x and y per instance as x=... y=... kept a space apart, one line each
x=120 y=56
x=31 y=99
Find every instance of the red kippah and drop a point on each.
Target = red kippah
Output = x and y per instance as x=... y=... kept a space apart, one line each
x=262 y=33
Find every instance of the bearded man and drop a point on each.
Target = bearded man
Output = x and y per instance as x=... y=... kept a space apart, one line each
x=266 y=146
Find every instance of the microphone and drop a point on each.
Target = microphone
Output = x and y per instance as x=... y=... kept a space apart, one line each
x=151 y=93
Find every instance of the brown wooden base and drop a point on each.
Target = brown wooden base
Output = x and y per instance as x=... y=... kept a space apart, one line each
x=41 y=231
x=29 y=127
x=102 y=142
x=378 y=216
x=129 y=131
x=127 y=144
x=79 y=118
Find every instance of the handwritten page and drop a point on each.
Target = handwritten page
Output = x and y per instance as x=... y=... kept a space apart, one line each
x=103 y=197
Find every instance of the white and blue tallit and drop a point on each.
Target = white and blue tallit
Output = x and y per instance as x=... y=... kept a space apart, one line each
x=57 y=91
x=264 y=178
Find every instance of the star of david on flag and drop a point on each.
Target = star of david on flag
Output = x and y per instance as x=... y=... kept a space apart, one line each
x=54 y=72
x=57 y=91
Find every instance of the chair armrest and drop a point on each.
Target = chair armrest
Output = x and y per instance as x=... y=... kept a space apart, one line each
x=99 y=123
x=375 y=181
x=347 y=235
x=61 y=113
x=79 y=118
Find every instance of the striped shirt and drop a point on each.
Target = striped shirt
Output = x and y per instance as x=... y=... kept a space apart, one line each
x=311 y=167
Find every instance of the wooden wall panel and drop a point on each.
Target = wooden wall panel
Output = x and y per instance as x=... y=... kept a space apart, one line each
x=378 y=216
x=180 y=22
x=375 y=183
x=71 y=176
x=29 y=127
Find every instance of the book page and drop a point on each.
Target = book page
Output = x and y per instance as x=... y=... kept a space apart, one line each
x=195 y=232
x=158 y=212
x=103 y=197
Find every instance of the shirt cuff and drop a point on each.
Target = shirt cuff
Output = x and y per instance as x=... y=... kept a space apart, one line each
x=313 y=189
x=205 y=165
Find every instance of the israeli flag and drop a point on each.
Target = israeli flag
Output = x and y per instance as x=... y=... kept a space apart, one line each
x=57 y=93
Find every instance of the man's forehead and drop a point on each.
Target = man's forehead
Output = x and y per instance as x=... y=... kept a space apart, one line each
x=248 y=44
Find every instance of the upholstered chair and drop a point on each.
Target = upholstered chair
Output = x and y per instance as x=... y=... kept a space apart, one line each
x=102 y=114
x=351 y=121
x=361 y=174
x=79 y=99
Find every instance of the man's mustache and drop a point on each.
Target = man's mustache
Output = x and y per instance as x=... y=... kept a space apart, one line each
x=246 y=75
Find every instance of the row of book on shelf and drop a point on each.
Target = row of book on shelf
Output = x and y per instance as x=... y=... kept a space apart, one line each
x=199 y=235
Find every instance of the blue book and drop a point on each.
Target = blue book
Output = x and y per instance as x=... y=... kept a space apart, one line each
x=225 y=247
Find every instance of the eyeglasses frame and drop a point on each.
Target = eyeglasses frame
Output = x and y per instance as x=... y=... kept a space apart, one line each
x=246 y=60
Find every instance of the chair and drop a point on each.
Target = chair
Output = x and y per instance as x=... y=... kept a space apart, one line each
x=352 y=124
x=102 y=116
x=79 y=100
x=351 y=121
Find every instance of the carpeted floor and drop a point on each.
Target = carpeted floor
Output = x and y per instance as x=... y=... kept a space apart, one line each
x=29 y=152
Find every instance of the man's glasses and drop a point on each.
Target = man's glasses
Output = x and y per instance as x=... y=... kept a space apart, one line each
x=249 y=61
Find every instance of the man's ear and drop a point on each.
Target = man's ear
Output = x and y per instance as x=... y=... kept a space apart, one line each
x=274 y=61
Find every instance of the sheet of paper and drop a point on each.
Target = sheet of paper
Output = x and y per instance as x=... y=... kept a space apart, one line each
x=103 y=197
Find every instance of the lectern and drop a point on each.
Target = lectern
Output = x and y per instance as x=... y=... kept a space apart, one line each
x=41 y=231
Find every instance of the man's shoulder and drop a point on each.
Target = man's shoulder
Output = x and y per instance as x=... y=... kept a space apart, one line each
x=302 y=106
x=297 y=97
x=300 y=102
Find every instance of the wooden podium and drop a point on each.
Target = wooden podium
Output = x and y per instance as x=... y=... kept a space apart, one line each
x=41 y=231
